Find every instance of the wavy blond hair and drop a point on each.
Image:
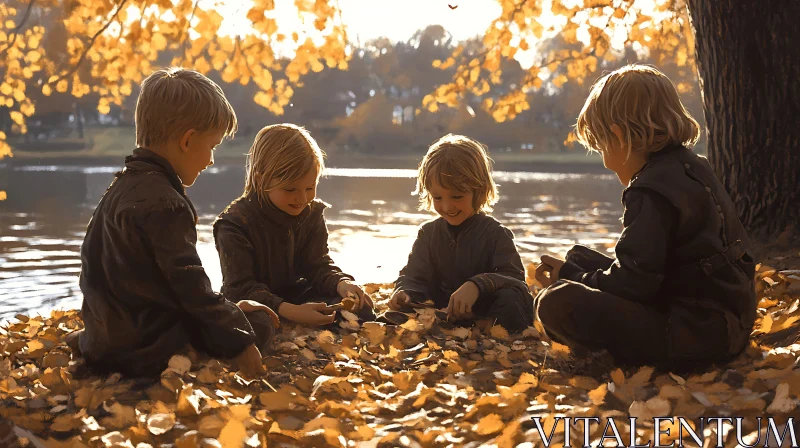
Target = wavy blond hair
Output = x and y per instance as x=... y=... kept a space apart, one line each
x=644 y=103
x=174 y=100
x=457 y=163
x=280 y=155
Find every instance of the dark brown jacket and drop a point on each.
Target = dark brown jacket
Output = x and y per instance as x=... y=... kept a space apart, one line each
x=145 y=293
x=682 y=248
x=444 y=257
x=267 y=255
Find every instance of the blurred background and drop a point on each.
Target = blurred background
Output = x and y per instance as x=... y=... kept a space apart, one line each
x=403 y=85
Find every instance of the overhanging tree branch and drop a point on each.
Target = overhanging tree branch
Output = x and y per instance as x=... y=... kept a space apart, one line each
x=17 y=29
x=91 y=43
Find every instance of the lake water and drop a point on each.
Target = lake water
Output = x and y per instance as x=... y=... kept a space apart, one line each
x=372 y=222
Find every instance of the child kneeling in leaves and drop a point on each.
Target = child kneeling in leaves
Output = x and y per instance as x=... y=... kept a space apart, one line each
x=273 y=240
x=465 y=260
x=145 y=293
x=679 y=292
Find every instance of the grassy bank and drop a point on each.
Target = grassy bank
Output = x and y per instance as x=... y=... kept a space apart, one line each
x=111 y=145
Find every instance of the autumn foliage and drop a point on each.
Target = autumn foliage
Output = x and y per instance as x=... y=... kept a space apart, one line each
x=106 y=47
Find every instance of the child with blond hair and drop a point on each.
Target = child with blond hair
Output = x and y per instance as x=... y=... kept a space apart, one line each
x=273 y=241
x=465 y=260
x=145 y=293
x=679 y=291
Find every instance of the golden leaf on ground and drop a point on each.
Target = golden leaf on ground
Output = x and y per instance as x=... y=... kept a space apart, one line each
x=527 y=378
x=179 y=364
x=121 y=416
x=116 y=439
x=65 y=423
x=233 y=434
x=598 y=396
x=498 y=332
x=308 y=354
x=375 y=331
x=677 y=379
x=766 y=323
x=782 y=403
x=618 y=376
x=491 y=424
x=158 y=424
x=188 y=402
x=654 y=407
x=211 y=425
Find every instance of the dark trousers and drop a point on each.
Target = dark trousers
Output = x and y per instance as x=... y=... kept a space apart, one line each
x=584 y=319
x=511 y=308
x=262 y=326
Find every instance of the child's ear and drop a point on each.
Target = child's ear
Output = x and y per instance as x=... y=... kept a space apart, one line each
x=186 y=139
x=617 y=130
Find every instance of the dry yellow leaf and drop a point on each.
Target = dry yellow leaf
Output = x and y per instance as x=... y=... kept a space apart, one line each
x=158 y=424
x=488 y=425
x=598 y=395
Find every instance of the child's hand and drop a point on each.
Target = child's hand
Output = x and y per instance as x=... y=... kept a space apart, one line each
x=249 y=306
x=550 y=266
x=249 y=362
x=399 y=300
x=313 y=314
x=345 y=288
x=462 y=300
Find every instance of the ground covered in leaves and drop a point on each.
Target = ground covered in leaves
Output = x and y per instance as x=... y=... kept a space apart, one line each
x=419 y=384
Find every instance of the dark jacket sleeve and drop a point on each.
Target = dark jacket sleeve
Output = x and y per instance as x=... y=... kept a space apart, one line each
x=236 y=258
x=417 y=275
x=581 y=259
x=507 y=269
x=641 y=252
x=317 y=265
x=222 y=326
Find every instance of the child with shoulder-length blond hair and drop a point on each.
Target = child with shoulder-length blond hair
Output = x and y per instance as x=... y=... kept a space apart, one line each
x=273 y=241
x=679 y=291
x=465 y=260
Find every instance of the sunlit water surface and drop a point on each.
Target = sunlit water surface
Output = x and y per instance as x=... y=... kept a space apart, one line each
x=372 y=222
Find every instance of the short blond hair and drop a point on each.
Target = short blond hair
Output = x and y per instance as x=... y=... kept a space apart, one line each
x=175 y=100
x=644 y=103
x=280 y=155
x=457 y=163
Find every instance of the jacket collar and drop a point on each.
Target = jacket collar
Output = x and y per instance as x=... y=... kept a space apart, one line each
x=454 y=231
x=143 y=159
x=277 y=216
x=655 y=157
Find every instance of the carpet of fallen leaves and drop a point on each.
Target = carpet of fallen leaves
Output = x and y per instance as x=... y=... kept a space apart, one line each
x=419 y=384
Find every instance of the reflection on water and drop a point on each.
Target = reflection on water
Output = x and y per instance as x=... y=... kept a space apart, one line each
x=373 y=222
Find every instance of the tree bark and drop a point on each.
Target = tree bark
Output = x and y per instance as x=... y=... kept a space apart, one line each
x=748 y=59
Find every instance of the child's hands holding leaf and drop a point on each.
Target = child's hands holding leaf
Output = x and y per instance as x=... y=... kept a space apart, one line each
x=461 y=301
x=345 y=289
x=547 y=272
x=313 y=313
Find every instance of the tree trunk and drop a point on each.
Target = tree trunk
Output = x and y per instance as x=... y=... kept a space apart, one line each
x=748 y=59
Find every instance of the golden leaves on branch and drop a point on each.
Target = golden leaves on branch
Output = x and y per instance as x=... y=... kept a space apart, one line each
x=595 y=30
x=108 y=47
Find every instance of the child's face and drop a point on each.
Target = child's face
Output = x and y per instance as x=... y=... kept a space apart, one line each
x=294 y=197
x=453 y=205
x=613 y=156
x=197 y=154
